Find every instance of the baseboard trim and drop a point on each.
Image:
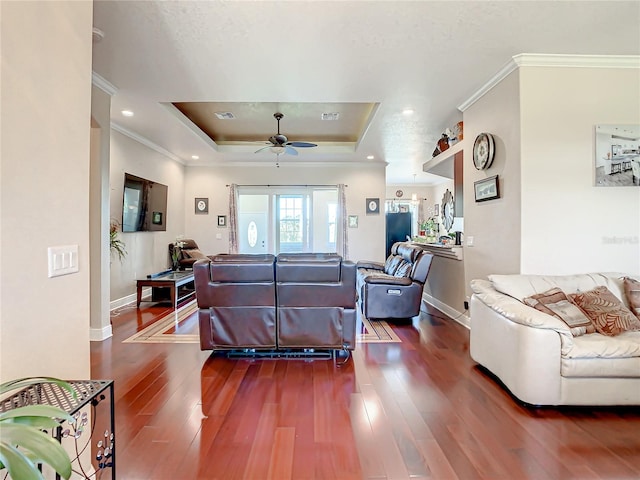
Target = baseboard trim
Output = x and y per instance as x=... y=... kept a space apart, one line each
x=461 y=317
x=100 y=334
x=121 y=302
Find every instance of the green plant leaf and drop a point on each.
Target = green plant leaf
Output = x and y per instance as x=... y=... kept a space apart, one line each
x=44 y=447
x=28 y=381
x=35 y=411
x=40 y=423
x=17 y=464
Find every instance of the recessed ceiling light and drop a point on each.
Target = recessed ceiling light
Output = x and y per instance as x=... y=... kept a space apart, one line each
x=370 y=157
x=407 y=111
x=195 y=157
x=127 y=113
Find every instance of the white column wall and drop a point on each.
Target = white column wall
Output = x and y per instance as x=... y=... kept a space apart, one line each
x=45 y=89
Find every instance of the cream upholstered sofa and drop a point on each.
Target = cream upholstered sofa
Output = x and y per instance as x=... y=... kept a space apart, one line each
x=535 y=354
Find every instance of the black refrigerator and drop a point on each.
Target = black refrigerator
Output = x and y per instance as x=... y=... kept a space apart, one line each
x=398 y=228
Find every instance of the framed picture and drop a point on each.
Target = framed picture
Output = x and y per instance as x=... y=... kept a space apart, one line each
x=353 y=221
x=202 y=206
x=436 y=209
x=222 y=220
x=373 y=206
x=486 y=189
x=156 y=218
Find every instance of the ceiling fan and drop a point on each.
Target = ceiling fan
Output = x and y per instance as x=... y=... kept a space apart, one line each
x=279 y=143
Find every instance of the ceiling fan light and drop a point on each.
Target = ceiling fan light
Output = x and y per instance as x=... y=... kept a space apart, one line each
x=277 y=150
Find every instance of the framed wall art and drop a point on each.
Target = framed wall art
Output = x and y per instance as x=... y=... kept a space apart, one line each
x=202 y=206
x=222 y=220
x=486 y=189
x=353 y=221
x=373 y=206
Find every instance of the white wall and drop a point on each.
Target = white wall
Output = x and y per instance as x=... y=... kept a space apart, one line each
x=568 y=225
x=495 y=224
x=367 y=242
x=147 y=252
x=45 y=130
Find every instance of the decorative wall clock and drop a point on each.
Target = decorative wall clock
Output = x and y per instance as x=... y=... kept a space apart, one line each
x=399 y=193
x=483 y=151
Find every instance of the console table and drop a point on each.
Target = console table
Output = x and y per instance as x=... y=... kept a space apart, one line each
x=88 y=393
x=179 y=285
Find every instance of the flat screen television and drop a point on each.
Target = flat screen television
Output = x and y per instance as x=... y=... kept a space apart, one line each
x=144 y=205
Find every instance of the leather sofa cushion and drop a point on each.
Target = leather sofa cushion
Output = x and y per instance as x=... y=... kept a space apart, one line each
x=193 y=253
x=308 y=268
x=392 y=264
x=242 y=268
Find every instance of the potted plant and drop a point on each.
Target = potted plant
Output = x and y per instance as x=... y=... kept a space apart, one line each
x=23 y=441
x=116 y=245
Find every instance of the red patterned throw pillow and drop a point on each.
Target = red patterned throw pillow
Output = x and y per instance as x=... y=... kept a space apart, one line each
x=606 y=311
x=632 y=292
x=554 y=302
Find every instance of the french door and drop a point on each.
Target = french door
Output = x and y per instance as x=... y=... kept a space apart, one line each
x=287 y=219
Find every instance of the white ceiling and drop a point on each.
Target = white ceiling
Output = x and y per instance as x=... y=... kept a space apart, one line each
x=430 y=56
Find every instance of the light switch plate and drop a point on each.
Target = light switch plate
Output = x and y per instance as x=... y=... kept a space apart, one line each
x=470 y=241
x=62 y=260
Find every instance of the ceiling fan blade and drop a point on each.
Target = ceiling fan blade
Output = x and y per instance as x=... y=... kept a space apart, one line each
x=290 y=151
x=263 y=148
x=301 y=144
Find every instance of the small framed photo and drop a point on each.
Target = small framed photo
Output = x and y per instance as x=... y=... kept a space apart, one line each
x=353 y=221
x=373 y=206
x=156 y=218
x=202 y=206
x=222 y=220
x=436 y=210
x=486 y=189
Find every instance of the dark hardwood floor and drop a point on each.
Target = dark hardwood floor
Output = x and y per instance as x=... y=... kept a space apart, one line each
x=416 y=409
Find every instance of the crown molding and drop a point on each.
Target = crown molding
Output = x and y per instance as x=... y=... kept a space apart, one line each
x=146 y=142
x=552 y=60
x=103 y=84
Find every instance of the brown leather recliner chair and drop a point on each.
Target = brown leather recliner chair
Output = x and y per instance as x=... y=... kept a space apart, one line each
x=394 y=289
x=236 y=296
x=189 y=253
x=316 y=300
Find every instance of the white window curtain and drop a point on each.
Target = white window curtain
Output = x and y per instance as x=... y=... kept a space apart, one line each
x=343 y=242
x=233 y=218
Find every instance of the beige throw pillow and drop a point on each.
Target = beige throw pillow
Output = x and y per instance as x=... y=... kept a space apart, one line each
x=554 y=302
x=606 y=311
x=632 y=292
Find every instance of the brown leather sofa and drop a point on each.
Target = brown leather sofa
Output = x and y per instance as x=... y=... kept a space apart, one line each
x=316 y=301
x=394 y=289
x=299 y=301
x=236 y=296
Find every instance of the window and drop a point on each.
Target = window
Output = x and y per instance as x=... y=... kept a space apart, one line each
x=287 y=219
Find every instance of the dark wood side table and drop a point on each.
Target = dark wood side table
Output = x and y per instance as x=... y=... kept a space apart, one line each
x=179 y=284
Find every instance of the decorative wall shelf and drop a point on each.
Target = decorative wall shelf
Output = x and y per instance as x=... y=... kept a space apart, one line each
x=447 y=251
x=442 y=164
